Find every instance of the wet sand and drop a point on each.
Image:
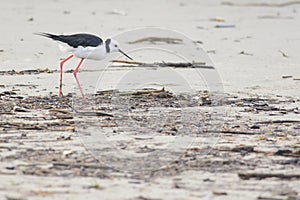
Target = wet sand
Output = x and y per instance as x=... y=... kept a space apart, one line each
x=243 y=144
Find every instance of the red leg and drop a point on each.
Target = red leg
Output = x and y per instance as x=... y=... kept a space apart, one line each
x=61 y=71
x=75 y=75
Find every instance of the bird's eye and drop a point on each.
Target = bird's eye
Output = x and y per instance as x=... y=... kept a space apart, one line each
x=116 y=45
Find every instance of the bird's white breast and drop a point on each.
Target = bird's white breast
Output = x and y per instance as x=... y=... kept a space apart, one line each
x=95 y=53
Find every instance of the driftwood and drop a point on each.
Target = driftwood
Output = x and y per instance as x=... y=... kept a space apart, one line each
x=149 y=92
x=90 y=113
x=82 y=113
x=168 y=40
x=274 y=17
x=27 y=71
x=225 y=26
x=74 y=165
x=233 y=132
x=248 y=175
x=279 y=121
x=127 y=63
x=143 y=92
x=283 y=54
x=60 y=111
x=262 y=4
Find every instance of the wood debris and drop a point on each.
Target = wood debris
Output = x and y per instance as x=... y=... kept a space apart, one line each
x=260 y=176
x=167 y=40
x=289 y=3
x=128 y=63
x=26 y=72
x=283 y=54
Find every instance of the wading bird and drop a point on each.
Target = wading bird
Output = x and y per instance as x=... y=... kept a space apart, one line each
x=83 y=46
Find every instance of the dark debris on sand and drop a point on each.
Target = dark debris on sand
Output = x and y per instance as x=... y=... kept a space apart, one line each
x=247 y=126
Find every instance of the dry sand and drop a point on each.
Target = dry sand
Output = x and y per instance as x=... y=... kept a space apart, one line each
x=248 y=149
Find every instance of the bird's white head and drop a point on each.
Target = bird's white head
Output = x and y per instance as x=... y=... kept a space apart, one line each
x=113 y=46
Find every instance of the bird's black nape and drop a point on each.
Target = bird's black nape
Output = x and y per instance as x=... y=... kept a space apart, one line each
x=107 y=43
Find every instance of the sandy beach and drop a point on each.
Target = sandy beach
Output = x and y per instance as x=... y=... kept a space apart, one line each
x=226 y=127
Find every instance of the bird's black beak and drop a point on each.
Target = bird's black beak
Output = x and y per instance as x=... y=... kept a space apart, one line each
x=125 y=54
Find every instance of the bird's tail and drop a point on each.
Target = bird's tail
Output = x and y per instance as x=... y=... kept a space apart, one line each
x=48 y=35
x=63 y=47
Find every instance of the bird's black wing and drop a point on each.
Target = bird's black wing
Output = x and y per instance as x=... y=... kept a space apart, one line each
x=81 y=39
